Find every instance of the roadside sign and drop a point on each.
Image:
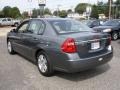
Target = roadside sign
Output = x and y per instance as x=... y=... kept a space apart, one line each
x=42 y=2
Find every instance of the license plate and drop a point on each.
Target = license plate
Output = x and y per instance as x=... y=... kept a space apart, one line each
x=95 y=45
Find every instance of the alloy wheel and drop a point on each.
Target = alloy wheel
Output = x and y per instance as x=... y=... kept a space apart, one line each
x=42 y=63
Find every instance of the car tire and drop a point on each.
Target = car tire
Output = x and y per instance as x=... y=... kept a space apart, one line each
x=44 y=65
x=16 y=24
x=115 y=35
x=10 y=48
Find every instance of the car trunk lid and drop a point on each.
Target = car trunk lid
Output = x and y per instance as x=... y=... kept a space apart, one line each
x=89 y=44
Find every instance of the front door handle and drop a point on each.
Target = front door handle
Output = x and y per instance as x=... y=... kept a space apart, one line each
x=36 y=39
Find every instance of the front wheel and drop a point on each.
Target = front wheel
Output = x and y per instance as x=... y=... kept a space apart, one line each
x=43 y=64
x=16 y=24
x=115 y=35
x=10 y=48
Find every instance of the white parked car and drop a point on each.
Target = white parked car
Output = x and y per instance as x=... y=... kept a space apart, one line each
x=9 y=22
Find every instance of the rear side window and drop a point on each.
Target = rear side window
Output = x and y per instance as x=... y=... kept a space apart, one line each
x=36 y=27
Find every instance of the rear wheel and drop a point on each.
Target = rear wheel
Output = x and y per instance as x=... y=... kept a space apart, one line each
x=10 y=48
x=16 y=24
x=115 y=35
x=43 y=64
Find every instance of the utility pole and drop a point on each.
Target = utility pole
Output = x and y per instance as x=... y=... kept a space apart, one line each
x=110 y=8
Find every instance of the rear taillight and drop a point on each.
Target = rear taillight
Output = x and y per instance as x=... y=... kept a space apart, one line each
x=69 y=46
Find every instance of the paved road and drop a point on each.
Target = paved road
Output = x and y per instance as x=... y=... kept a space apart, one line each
x=17 y=73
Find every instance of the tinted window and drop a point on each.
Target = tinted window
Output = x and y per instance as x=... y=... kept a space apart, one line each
x=9 y=19
x=67 y=26
x=96 y=23
x=23 y=27
x=89 y=22
x=4 y=20
x=36 y=27
x=111 y=23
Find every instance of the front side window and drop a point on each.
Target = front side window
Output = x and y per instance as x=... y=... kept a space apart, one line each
x=67 y=26
x=23 y=27
x=36 y=27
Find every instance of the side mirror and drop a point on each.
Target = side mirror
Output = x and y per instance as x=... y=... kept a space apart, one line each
x=13 y=30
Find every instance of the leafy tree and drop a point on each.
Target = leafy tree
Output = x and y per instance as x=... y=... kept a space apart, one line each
x=1 y=14
x=15 y=12
x=25 y=14
x=35 y=13
x=69 y=11
x=80 y=8
x=94 y=13
x=7 y=11
x=11 y=12
x=63 y=14
x=47 y=11
x=55 y=13
x=117 y=3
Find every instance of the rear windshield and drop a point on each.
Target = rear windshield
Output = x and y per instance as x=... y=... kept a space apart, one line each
x=68 y=26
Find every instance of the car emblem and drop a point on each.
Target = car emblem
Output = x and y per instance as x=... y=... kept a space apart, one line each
x=100 y=59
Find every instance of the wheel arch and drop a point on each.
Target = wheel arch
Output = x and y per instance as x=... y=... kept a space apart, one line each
x=7 y=39
x=37 y=51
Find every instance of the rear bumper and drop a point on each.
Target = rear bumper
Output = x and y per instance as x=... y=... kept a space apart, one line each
x=72 y=66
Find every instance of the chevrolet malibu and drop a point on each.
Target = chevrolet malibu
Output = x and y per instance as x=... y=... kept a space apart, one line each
x=60 y=44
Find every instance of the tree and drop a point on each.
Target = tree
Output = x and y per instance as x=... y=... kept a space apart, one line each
x=63 y=14
x=103 y=8
x=80 y=8
x=7 y=11
x=11 y=12
x=55 y=13
x=35 y=13
x=47 y=11
x=117 y=3
x=1 y=14
x=94 y=13
x=69 y=11
x=15 y=12
x=25 y=14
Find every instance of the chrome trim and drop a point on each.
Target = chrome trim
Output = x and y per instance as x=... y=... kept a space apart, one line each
x=79 y=42
x=99 y=56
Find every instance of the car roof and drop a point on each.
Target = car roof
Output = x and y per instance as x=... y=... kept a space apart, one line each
x=49 y=19
x=114 y=20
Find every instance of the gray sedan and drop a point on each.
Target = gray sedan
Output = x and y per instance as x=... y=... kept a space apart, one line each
x=60 y=44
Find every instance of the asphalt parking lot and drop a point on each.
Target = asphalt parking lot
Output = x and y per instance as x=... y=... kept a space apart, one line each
x=17 y=73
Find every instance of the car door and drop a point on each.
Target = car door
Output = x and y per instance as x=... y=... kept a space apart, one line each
x=9 y=21
x=18 y=37
x=32 y=37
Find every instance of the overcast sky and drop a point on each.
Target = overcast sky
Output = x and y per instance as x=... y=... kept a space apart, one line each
x=23 y=5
